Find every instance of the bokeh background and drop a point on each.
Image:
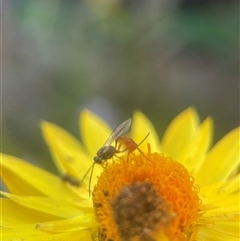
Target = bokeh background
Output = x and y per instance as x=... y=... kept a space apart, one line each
x=115 y=56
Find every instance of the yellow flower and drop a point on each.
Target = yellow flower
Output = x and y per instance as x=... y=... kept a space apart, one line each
x=186 y=193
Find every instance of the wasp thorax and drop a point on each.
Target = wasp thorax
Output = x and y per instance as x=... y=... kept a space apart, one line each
x=106 y=152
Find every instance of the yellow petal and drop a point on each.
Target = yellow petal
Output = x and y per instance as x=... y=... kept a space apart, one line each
x=222 y=223
x=179 y=133
x=67 y=152
x=22 y=178
x=219 y=190
x=55 y=206
x=84 y=221
x=227 y=212
x=30 y=233
x=13 y=213
x=196 y=149
x=232 y=186
x=228 y=201
x=221 y=160
x=209 y=234
x=141 y=126
x=94 y=131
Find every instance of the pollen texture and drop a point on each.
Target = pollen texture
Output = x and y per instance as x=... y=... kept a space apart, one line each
x=137 y=211
x=138 y=198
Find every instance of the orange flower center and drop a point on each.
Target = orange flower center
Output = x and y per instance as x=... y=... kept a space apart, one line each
x=138 y=199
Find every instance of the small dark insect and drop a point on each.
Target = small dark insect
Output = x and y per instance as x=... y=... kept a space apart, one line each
x=104 y=153
x=72 y=180
x=107 y=151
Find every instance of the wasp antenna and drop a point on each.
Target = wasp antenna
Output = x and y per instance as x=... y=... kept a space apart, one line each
x=144 y=139
x=90 y=180
x=144 y=155
x=89 y=169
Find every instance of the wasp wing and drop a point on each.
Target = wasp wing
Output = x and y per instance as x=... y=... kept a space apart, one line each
x=120 y=130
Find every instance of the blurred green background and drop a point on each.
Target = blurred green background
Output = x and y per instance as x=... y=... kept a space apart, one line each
x=115 y=56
